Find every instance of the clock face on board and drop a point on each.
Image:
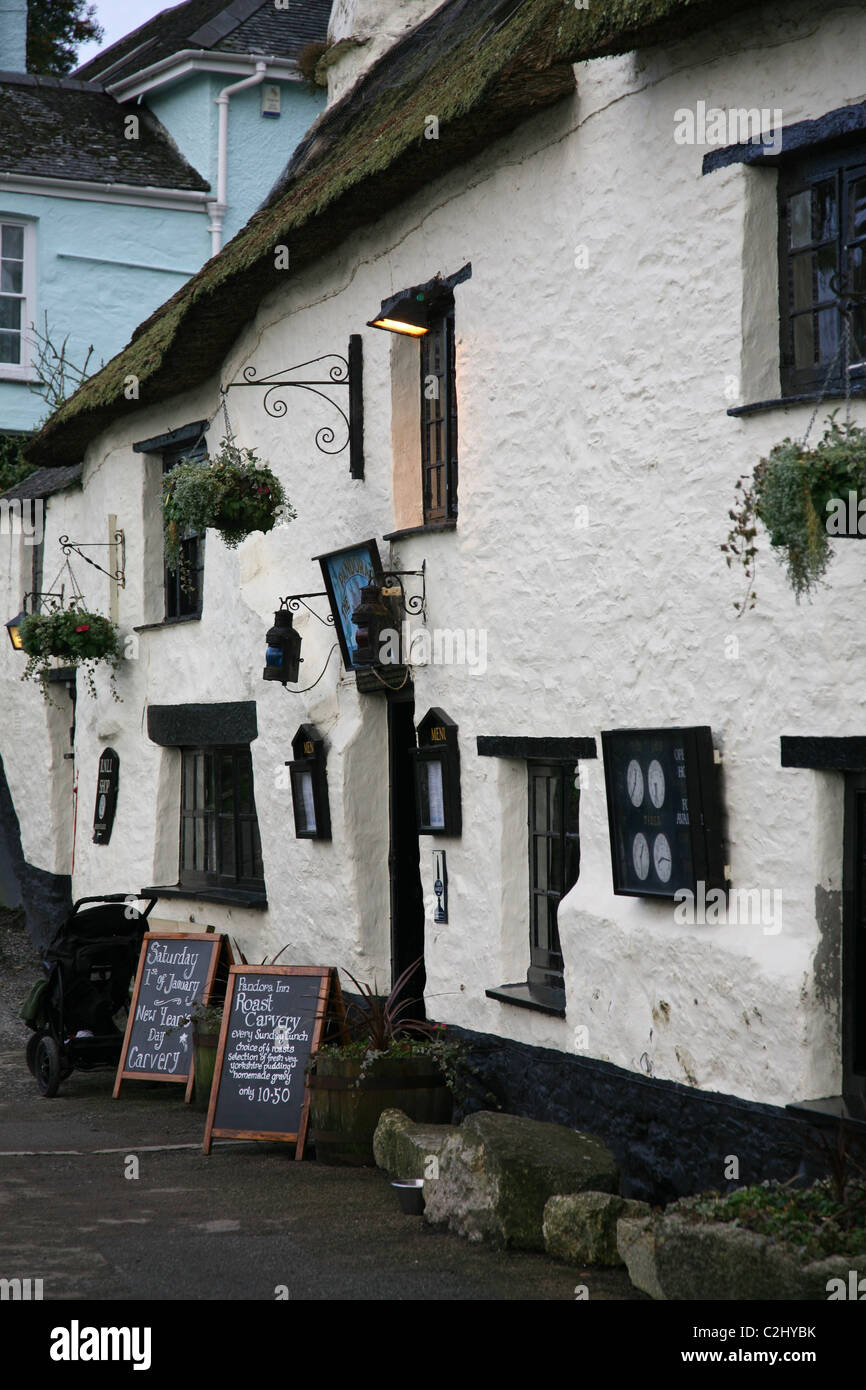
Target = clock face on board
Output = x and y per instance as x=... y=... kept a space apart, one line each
x=662 y=857
x=655 y=777
x=659 y=839
x=634 y=782
x=640 y=855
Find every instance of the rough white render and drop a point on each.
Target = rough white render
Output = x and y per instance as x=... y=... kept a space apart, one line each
x=604 y=388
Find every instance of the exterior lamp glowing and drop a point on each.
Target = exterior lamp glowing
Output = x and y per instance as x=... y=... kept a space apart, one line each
x=406 y=313
x=13 y=627
x=283 y=656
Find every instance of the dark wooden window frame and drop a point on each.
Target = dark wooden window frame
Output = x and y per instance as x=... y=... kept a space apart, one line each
x=839 y=169
x=184 y=592
x=554 y=865
x=439 y=469
x=229 y=866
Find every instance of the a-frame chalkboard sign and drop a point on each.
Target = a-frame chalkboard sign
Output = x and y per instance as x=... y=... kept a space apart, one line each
x=274 y=1018
x=175 y=971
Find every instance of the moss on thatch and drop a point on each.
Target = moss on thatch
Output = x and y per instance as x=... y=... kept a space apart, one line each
x=481 y=66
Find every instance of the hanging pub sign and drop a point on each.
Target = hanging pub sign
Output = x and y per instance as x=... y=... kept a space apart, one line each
x=274 y=1018
x=176 y=971
x=106 y=796
x=347 y=573
x=437 y=775
x=663 y=811
x=310 y=785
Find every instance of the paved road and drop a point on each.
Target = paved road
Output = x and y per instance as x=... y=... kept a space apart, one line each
x=234 y=1225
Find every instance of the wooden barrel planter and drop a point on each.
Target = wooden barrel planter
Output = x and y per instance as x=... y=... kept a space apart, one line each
x=205 y=1041
x=343 y=1116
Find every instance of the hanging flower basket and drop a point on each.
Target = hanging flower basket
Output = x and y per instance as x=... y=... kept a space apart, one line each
x=803 y=497
x=79 y=638
x=232 y=493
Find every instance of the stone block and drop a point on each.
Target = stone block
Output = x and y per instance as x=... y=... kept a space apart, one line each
x=409 y=1150
x=496 y=1173
x=580 y=1228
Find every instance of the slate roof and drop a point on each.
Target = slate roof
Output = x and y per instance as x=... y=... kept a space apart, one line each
x=244 y=26
x=45 y=481
x=482 y=65
x=59 y=127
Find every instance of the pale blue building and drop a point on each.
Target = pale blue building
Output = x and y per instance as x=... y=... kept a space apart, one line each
x=116 y=184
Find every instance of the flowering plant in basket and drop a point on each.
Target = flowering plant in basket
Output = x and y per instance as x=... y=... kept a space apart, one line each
x=233 y=493
x=78 y=637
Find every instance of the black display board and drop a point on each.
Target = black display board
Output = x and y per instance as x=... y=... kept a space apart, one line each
x=175 y=971
x=273 y=1020
x=663 y=811
x=107 y=780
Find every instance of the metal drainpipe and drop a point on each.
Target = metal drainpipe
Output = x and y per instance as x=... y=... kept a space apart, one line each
x=220 y=207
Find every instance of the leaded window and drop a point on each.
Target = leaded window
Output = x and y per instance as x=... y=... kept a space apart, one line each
x=439 y=418
x=822 y=243
x=219 y=832
x=184 y=586
x=554 y=863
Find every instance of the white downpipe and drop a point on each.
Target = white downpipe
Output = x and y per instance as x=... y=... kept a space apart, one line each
x=220 y=207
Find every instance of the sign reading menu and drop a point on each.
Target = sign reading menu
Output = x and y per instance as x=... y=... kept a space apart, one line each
x=175 y=971
x=273 y=1020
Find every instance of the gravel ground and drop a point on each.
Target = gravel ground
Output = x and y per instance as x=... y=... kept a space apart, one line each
x=20 y=968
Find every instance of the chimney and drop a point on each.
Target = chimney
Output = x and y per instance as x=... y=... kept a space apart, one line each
x=359 y=32
x=13 y=35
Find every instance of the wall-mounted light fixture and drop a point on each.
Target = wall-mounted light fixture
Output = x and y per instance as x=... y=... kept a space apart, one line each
x=406 y=313
x=310 y=785
x=13 y=627
x=437 y=776
x=283 y=656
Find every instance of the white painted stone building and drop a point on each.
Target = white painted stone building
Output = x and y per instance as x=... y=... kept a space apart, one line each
x=622 y=303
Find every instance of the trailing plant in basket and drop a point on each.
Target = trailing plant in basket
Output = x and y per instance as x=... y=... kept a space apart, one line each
x=800 y=495
x=233 y=493
x=79 y=638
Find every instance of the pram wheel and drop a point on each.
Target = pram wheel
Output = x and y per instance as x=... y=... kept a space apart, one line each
x=47 y=1067
x=32 y=1046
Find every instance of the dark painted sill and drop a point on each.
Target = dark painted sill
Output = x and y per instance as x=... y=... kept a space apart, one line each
x=421 y=530
x=169 y=622
x=236 y=897
x=542 y=1001
x=836 y=393
x=827 y=1112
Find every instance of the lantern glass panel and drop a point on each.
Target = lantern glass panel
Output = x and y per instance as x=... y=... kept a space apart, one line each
x=432 y=795
x=308 y=806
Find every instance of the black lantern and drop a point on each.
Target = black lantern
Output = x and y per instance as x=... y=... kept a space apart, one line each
x=437 y=776
x=283 y=656
x=370 y=618
x=13 y=627
x=310 y=785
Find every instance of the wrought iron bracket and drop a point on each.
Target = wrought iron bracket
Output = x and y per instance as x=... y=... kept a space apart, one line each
x=849 y=301
x=345 y=372
x=119 y=541
x=412 y=603
x=294 y=602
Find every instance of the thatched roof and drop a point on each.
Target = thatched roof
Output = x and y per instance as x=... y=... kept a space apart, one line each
x=482 y=66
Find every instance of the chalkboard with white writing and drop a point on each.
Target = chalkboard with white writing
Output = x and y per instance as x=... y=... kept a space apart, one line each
x=273 y=1019
x=175 y=971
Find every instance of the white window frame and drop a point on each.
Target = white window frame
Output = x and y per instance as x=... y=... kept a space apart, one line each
x=24 y=370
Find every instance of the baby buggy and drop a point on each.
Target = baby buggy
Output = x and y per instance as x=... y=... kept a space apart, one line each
x=88 y=969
